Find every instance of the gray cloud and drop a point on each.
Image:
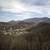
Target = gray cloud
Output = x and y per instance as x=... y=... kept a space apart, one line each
x=7 y=16
x=35 y=2
x=11 y=10
x=49 y=8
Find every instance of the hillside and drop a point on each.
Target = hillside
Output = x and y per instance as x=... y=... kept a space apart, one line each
x=26 y=38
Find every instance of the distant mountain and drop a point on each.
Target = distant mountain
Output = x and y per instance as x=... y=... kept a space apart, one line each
x=32 y=20
x=26 y=21
x=13 y=22
x=36 y=20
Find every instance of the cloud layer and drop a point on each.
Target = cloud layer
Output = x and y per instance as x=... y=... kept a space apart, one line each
x=35 y=2
x=23 y=9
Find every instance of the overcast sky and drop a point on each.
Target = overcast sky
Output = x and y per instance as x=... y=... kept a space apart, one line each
x=23 y=9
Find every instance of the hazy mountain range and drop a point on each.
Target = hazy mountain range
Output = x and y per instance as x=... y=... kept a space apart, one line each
x=27 y=21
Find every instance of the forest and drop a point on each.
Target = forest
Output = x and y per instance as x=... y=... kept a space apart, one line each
x=25 y=36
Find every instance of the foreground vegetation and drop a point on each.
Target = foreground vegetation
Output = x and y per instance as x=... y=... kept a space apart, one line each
x=34 y=38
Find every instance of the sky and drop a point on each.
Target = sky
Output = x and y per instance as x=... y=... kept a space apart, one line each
x=23 y=9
